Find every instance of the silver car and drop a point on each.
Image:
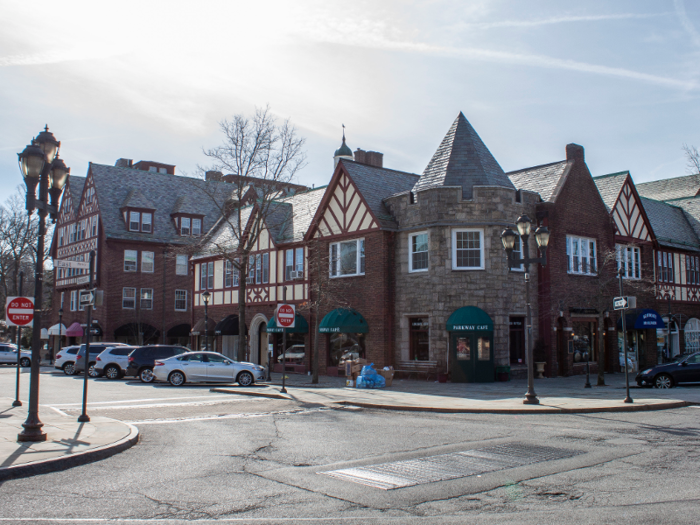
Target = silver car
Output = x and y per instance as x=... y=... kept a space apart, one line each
x=206 y=367
x=8 y=355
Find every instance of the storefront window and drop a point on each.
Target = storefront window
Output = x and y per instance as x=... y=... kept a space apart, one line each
x=692 y=335
x=484 y=349
x=463 y=349
x=419 y=339
x=584 y=338
x=296 y=349
x=345 y=346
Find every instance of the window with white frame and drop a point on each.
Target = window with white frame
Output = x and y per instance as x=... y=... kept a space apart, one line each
x=181 y=300
x=128 y=298
x=266 y=267
x=251 y=270
x=181 y=265
x=134 y=221
x=95 y=221
x=147 y=222
x=147 y=262
x=629 y=261
x=196 y=226
x=518 y=254
x=665 y=267
x=185 y=226
x=73 y=300
x=347 y=258
x=236 y=272
x=71 y=233
x=258 y=268
x=692 y=270
x=203 y=276
x=130 y=260
x=418 y=252
x=146 y=298
x=581 y=255
x=468 y=249
x=210 y=280
x=288 y=264
x=299 y=263
x=228 y=274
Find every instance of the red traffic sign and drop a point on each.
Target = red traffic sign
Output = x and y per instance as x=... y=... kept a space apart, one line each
x=19 y=311
x=285 y=315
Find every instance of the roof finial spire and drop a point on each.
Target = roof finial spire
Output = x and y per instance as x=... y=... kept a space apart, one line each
x=343 y=133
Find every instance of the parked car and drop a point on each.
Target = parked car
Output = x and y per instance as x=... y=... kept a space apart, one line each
x=113 y=361
x=8 y=355
x=65 y=359
x=294 y=355
x=143 y=358
x=206 y=367
x=95 y=350
x=686 y=369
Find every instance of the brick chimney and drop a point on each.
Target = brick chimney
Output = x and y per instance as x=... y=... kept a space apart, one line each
x=371 y=158
x=214 y=175
x=574 y=152
x=124 y=163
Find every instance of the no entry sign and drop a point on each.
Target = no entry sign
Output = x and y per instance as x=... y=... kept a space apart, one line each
x=19 y=311
x=285 y=315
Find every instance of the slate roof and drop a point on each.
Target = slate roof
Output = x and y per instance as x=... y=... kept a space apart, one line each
x=691 y=208
x=676 y=188
x=114 y=185
x=376 y=184
x=136 y=199
x=547 y=179
x=76 y=185
x=671 y=225
x=609 y=187
x=462 y=160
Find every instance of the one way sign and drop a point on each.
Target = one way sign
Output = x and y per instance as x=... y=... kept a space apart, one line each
x=620 y=303
x=87 y=297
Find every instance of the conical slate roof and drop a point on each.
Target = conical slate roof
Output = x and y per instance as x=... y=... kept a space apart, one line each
x=462 y=160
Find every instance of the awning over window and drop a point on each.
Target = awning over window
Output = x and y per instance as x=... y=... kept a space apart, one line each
x=75 y=330
x=469 y=319
x=54 y=330
x=199 y=327
x=641 y=320
x=343 y=321
x=44 y=333
x=227 y=326
x=300 y=326
x=181 y=330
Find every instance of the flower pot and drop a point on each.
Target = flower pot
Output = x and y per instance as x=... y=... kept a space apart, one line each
x=540 y=370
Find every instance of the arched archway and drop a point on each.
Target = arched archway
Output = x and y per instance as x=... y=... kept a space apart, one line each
x=257 y=349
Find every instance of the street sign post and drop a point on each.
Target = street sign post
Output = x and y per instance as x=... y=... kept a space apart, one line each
x=285 y=315
x=620 y=303
x=19 y=311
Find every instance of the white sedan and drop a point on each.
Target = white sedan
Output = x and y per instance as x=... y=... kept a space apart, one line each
x=8 y=355
x=206 y=367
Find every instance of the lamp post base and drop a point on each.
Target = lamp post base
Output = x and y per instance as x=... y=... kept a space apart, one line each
x=17 y=403
x=531 y=399
x=83 y=418
x=32 y=432
x=628 y=400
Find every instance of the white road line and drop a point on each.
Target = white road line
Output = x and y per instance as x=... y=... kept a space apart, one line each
x=138 y=400
x=161 y=405
x=59 y=411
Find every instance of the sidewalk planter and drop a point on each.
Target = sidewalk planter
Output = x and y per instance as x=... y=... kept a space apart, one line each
x=540 y=369
x=503 y=373
x=442 y=378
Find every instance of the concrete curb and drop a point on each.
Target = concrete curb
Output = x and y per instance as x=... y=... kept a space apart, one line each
x=252 y=394
x=73 y=460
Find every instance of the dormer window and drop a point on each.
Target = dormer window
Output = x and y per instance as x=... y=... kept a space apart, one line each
x=196 y=226
x=137 y=221
x=134 y=221
x=147 y=223
x=185 y=226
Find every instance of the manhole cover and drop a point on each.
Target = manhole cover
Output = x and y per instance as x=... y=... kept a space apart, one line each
x=450 y=466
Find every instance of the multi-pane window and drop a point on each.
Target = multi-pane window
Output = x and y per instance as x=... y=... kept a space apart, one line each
x=71 y=233
x=129 y=298
x=299 y=263
x=181 y=300
x=288 y=265
x=210 y=279
x=184 y=226
x=418 y=252
x=251 y=270
x=664 y=262
x=147 y=222
x=181 y=265
x=629 y=261
x=73 y=300
x=581 y=255
x=518 y=253
x=146 y=298
x=266 y=267
x=196 y=226
x=258 y=268
x=692 y=269
x=467 y=249
x=93 y=226
x=228 y=274
x=347 y=258
x=236 y=272
x=130 y=260
x=147 y=262
x=134 y=221
x=203 y=276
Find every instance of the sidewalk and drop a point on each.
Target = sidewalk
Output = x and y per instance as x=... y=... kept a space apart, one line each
x=69 y=443
x=558 y=395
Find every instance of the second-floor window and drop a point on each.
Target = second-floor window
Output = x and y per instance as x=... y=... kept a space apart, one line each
x=347 y=258
x=181 y=300
x=467 y=249
x=692 y=269
x=418 y=252
x=581 y=255
x=147 y=262
x=181 y=265
x=130 y=260
x=228 y=274
x=665 y=267
x=210 y=279
x=629 y=261
x=129 y=298
x=146 y=298
x=73 y=300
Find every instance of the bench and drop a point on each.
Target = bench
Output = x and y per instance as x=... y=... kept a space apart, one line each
x=416 y=369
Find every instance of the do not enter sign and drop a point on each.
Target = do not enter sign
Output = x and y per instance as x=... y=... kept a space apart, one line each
x=285 y=315
x=19 y=311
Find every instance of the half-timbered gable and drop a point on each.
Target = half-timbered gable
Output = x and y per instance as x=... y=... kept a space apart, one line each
x=624 y=205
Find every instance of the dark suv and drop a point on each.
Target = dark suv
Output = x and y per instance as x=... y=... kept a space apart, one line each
x=95 y=350
x=142 y=360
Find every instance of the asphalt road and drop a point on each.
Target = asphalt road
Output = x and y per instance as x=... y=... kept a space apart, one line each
x=208 y=457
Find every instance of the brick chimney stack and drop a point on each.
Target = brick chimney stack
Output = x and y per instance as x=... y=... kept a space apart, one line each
x=371 y=158
x=574 y=152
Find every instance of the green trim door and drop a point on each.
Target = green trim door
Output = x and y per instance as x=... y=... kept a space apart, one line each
x=472 y=358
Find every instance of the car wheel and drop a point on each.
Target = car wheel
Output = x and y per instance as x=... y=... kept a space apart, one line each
x=176 y=378
x=25 y=362
x=112 y=372
x=146 y=375
x=663 y=381
x=92 y=372
x=69 y=369
x=245 y=379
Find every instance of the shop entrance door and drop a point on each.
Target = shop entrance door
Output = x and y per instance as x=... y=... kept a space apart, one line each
x=472 y=357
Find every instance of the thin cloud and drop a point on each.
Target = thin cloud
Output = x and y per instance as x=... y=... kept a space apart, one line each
x=686 y=22
x=561 y=20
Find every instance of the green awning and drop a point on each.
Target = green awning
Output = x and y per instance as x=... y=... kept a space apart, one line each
x=343 y=321
x=300 y=326
x=469 y=319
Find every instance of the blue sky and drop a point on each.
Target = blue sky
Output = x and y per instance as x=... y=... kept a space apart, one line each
x=150 y=80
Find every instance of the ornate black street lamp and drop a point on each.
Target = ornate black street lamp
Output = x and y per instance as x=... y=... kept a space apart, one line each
x=206 y=296
x=40 y=166
x=508 y=237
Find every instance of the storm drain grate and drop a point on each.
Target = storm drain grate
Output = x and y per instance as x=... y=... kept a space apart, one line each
x=450 y=466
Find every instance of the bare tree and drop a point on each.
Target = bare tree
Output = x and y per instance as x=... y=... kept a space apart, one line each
x=261 y=158
x=692 y=156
